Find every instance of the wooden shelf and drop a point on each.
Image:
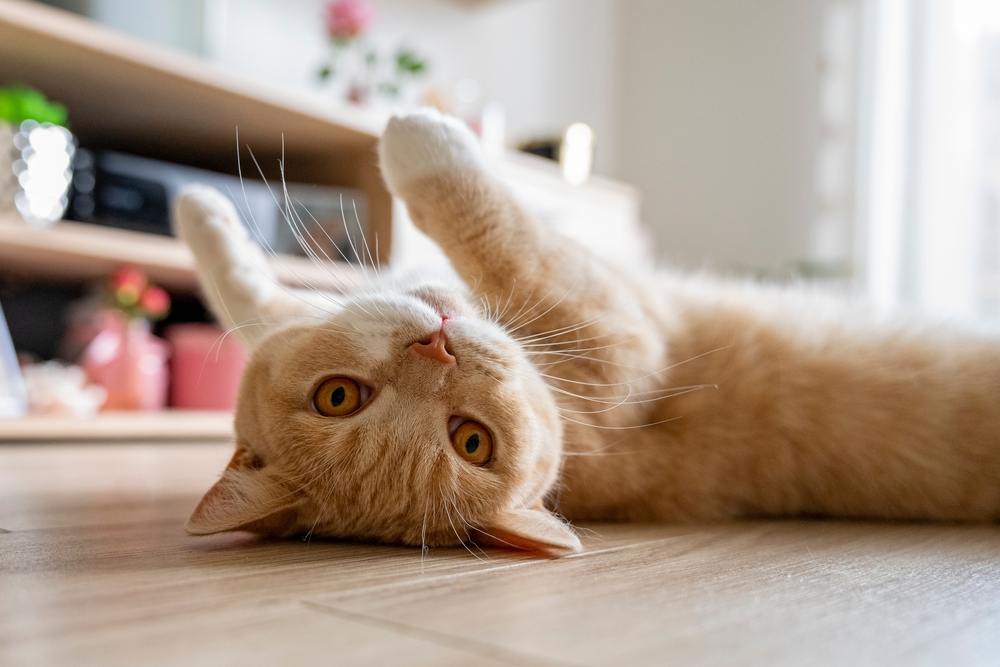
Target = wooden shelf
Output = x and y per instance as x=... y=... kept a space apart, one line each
x=131 y=426
x=124 y=94
x=80 y=251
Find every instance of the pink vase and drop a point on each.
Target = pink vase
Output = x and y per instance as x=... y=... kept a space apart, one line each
x=125 y=358
x=205 y=368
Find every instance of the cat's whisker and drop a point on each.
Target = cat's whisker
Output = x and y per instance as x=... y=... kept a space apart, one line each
x=584 y=383
x=457 y=536
x=643 y=377
x=295 y=232
x=259 y=236
x=300 y=230
x=220 y=340
x=640 y=397
x=574 y=341
x=308 y=537
x=255 y=227
x=423 y=535
x=510 y=296
x=594 y=412
x=294 y=221
x=607 y=362
x=368 y=288
x=561 y=331
x=548 y=310
x=468 y=528
x=572 y=351
x=566 y=345
x=350 y=239
x=619 y=428
x=528 y=304
x=640 y=401
x=357 y=221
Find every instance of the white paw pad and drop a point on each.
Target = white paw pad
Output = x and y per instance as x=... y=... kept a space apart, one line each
x=199 y=209
x=424 y=143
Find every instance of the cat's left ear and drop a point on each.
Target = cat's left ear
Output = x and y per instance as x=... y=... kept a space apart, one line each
x=246 y=497
x=536 y=530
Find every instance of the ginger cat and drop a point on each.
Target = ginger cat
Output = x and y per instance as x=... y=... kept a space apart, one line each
x=552 y=385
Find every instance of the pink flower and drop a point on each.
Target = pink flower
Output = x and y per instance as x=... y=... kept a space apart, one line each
x=154 y=302
x=130 y=278
x=346 y=19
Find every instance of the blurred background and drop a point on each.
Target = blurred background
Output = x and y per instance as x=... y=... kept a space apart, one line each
x=850 y=138
x=850 y=143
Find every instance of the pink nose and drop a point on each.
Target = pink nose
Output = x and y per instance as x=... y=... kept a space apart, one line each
x=435 y=347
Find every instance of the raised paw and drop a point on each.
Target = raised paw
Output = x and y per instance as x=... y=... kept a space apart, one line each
x=201 y=212
x=425 y=143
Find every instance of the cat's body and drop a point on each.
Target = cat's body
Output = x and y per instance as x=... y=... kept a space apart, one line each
x=813 y=409
x=608 y=395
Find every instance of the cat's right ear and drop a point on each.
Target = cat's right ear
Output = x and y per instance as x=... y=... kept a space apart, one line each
x=246 y=497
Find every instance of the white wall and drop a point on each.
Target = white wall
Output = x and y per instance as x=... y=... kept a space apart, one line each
x=550 y=62
x=720 y=126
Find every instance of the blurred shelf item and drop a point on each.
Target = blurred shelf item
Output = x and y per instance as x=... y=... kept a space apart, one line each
x=81 y=251
x=126 y=426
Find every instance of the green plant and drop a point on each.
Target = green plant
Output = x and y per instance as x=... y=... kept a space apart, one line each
x=20 y=103
x=362 y=66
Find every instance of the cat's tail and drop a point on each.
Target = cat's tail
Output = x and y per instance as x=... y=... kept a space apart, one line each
x=236 y=279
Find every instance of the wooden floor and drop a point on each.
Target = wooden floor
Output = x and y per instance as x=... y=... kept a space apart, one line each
x=95 y=570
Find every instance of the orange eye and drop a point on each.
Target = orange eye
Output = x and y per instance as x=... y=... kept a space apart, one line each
x=339 y=397
x=473 y=443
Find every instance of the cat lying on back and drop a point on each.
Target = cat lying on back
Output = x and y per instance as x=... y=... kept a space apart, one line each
x=553 y=382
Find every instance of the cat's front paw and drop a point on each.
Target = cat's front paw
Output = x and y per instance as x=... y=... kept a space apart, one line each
x=425 y=143
x=204 y=215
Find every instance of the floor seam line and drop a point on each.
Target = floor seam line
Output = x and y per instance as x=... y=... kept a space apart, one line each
x=414 y=582
x=478 y=648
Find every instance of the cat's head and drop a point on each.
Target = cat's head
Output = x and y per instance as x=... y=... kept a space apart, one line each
x=405 y=416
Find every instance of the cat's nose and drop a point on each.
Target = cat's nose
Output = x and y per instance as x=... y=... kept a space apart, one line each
x=435 y=347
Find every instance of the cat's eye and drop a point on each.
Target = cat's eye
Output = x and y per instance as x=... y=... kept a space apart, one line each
x=340 y=397
x=473 y=442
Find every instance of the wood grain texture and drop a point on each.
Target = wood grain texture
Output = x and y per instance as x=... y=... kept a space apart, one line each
x=95 y=569
x=90 y=252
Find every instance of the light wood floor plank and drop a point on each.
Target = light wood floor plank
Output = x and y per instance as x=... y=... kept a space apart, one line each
x=263 y=633
x=763 y=593
x=97 y=570
x=54 y=485
x=56 y=582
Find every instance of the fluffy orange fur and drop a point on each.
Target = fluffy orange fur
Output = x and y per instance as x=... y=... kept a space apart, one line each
x=611 y=395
